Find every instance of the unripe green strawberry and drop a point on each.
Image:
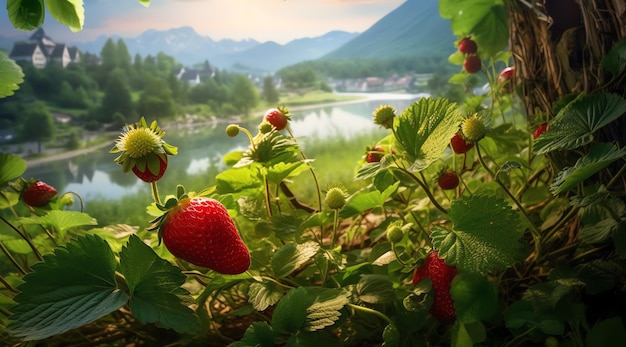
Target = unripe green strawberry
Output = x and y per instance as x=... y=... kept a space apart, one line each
x=200 y=231
x=473 y=128
x=384 y=116
x=265 y=127
x=441 y=275
x=38 y=194
x=335 y=198
x=394 y=234
x=232 y=130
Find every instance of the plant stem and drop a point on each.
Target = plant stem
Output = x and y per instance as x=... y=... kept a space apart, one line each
x=317 y=185
x=371 y=311
x=25 y=237
x=533 y=228
x=7 y=285
x=268 y=201
x=430 y=195
x=11 y=259
x=155 y=192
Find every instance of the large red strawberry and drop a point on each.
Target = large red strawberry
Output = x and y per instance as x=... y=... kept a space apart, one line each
x=459 y=145
x=147 y=175
x=277 y=117
x=38 y=194
x=472 y=64
x=468 y=46
x=441 y=275
x=200 y=231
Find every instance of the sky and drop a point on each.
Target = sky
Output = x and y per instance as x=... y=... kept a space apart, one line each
x=262 y=20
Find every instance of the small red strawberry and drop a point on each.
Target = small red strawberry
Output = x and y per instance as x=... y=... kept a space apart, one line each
x=540 y=130
x=468 y=46
x=278 y=117
x=441 y=275
x=147 y=175
x=375 y=154
x=38 y=194
x=507 y=76
x=448 y=180
x=459 y=145
x=200 y=231
x=472 y=64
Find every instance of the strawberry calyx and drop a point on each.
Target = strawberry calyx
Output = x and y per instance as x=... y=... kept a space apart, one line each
x=171 y=205
x=142 y=148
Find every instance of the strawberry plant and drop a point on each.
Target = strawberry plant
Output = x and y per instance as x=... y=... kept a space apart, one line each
x=526 y=248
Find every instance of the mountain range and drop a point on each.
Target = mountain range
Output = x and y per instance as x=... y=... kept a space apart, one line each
x=414 y=29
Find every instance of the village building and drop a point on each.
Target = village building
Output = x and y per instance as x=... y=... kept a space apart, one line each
x=40 y=50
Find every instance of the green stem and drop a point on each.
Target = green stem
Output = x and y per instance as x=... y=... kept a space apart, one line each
x=370 y=311
x=155 y=192
x=247 y=132
x=25 y=237
x=616 y=176
x=335 y=227
x=317 y=185
x=395 y=253
x=268 y=201
x=7 y=285
x=11 y=259
x=427 y=191
x=533 y=228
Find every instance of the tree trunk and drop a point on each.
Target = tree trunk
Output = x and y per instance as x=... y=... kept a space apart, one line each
x=558 y=46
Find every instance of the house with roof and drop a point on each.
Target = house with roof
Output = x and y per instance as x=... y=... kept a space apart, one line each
x=40 y=50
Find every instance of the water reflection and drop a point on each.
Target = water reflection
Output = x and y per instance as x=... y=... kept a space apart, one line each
x=201 y=149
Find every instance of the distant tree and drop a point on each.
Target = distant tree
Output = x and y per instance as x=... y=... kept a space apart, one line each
x=156 y=101
x=244 y=94
x=122 y=56
x=108 y=55
x=117 y=97
x=38 y=124
x=269 y=93
x=177 y=88
x=165 y=64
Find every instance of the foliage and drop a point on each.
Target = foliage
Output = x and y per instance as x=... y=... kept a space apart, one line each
x=535 y=229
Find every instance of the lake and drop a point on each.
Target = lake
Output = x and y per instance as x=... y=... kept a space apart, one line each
x=201 y=148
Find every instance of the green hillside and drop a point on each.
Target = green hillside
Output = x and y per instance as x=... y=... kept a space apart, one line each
x=415 y=29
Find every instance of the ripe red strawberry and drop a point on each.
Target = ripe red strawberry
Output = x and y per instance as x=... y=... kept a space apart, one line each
x=459 y=145
x=468 y=46
x=540 y=130
x=441 y=275
x=277 y=118
x=472 y=64
x=375 y=154
x=38 y=194
x=448 y=180
x=200 y=231
x=148 y=176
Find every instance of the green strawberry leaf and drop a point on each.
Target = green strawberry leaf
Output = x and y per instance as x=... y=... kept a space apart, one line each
x=155 y=289
x=264 y=294
x=486 y=235
x=425 y=128
x=475 y=299
x=68 y=12
x=61 y=221
x=145 y=3
x=484 y=20
x=291 y=256
x=600 y=156
x=26 y=14
x=237 y=179
x=73 y=286
x=575 y=123
x=258 y=334
x=374 y=289
x=11 y=166
x=291 y=311
x=325 y=307
x=615 y=60
x=277 y=173
x=12 y=75
x=607 y=333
